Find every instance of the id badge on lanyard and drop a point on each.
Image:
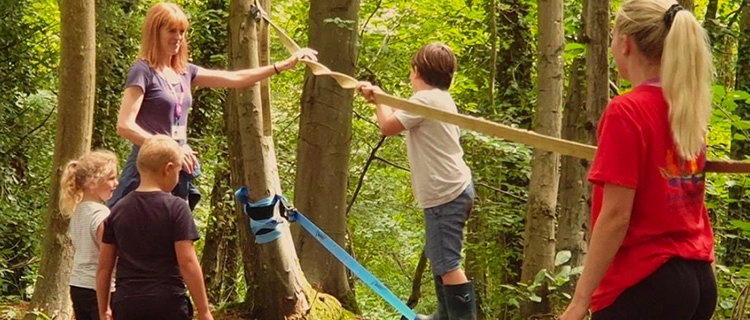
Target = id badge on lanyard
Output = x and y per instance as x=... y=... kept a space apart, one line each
x=179 y=131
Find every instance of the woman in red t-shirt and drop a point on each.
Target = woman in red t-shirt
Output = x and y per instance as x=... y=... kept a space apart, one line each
x=651 y=245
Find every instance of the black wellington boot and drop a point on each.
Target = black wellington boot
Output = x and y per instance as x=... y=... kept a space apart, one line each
x=440 y=313
x=461 y=301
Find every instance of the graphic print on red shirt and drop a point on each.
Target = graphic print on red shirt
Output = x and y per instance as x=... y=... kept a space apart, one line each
x=669 y=218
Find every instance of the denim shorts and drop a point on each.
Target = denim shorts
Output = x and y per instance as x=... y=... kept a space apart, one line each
x=130 y=179
x=444 y=228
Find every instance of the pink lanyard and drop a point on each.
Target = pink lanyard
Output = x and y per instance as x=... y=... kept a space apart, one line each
x=651 y=81
x=178 y=100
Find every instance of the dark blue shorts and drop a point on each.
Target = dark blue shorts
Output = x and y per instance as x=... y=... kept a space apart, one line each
x=444 y=228
x=130 y=179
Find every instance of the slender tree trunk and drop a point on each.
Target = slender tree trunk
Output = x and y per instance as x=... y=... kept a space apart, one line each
x=240 y=49
x=687 y=4
x=277 y=288
x=740 y=148
x=573 y=218
x=539 y=236
x=219 y=260
x=722 y=45
x=324 y=144
x=710 y=22
x=280 y=283
x=220 y=257
x=73 y=138
x=597 y=63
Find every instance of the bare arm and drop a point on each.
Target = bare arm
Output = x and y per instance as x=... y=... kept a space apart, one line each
x=129 y=108
x=245 y=78
x=232 y=79
x=387 y=122
x=606 y=239
x=107 y=258
x=190 y=270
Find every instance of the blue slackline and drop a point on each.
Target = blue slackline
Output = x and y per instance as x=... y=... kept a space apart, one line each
x=355 y=267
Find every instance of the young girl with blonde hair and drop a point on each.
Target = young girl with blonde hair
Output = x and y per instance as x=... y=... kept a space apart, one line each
x=86 y=183
x=652 y=245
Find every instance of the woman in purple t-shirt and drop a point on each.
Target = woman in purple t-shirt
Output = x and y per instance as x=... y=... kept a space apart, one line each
x=157 y=94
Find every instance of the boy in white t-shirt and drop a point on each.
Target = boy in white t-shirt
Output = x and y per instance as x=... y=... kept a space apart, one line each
x=441 y=180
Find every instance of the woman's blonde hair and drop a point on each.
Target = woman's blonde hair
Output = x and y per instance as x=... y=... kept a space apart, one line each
x=686 y=65
x=86 y=171
x=164 y=15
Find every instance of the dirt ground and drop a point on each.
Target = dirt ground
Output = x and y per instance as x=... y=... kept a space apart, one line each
x=16 y=310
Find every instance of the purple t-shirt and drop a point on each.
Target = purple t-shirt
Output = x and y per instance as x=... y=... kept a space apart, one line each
x=158 y=111
x=144 y=227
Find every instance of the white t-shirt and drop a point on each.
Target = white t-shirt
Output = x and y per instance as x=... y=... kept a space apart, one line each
x=438 y=171
x=83 y=225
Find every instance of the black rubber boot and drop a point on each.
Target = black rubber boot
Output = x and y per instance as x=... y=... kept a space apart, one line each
x=440 y=313
x=461 y=301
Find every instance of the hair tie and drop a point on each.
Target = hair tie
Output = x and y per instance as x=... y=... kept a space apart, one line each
x=669 y=15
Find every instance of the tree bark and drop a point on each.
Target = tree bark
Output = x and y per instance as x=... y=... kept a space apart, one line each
x=539 y=236
x=324 y=144
x=73 y=138
x=740 y=148
x=240 y=49
x=687 y=4
x=277 y=288
x=573 y=218
x=219 y=259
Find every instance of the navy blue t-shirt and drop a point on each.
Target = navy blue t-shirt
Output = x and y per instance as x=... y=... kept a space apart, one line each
x=144 y=227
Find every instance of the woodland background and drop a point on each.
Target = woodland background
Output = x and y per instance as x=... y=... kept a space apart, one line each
x=331 y=158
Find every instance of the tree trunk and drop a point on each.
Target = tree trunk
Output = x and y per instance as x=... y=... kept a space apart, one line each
x=240 y=49
x=73 y=138
x=219 y=260
x=324 y=144
x=710 y=23
x=740 y=148
x=687 y=4
x=539 y=236
x=597 y=63
x=573 y=218
x=277 y=289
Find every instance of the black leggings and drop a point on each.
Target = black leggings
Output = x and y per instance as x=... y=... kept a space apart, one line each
x=153 y=308
x=678 y=290
x=84 y=303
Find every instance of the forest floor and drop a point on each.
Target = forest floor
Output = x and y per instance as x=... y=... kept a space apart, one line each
x=16 y=310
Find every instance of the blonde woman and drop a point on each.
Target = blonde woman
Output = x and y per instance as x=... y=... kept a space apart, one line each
x=652 y=245
x=158 y=95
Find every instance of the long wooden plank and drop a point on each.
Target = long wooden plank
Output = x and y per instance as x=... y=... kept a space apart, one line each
x=530 y=138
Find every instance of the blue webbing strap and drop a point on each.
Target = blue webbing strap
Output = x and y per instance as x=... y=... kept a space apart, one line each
x=269 y=227
x=350 y=263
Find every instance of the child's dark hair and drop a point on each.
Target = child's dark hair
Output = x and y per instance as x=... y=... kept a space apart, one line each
x=436 y=64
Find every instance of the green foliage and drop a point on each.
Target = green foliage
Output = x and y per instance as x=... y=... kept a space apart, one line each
x=386 y=227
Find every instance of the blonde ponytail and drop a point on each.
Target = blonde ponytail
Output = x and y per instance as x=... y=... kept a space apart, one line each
x=687 y=75
x=665 y=33
x=79 y=174
x=71 y=192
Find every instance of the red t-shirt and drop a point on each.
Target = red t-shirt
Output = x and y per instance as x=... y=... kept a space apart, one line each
x=669 y=217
